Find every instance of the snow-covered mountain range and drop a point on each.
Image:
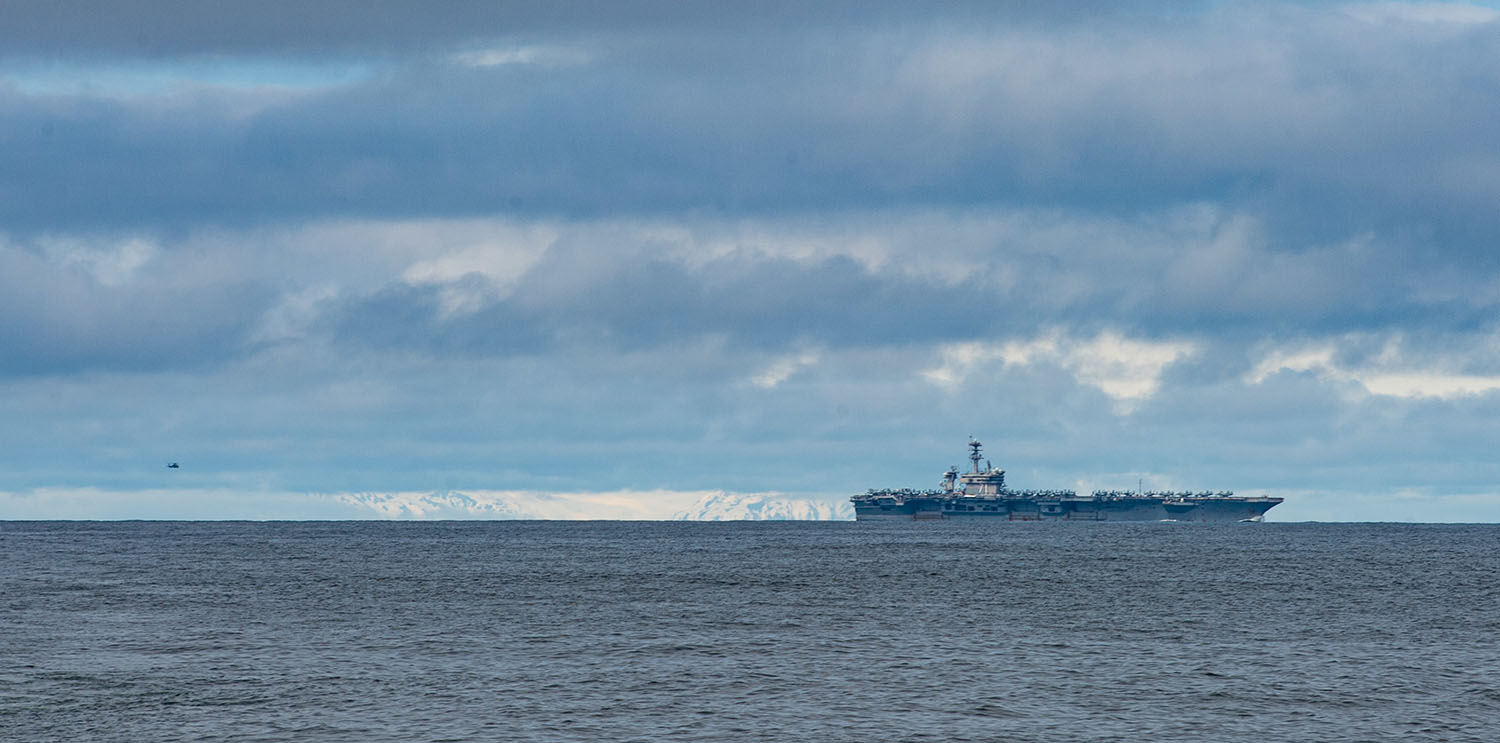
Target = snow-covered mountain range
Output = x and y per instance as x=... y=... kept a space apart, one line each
x=438 y=505
x=764 y=507
x=655 y=505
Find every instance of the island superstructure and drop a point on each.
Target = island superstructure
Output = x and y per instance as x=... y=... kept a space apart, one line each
x=981 y=493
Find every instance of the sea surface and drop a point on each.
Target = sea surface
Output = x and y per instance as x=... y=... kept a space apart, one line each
x=619 y=631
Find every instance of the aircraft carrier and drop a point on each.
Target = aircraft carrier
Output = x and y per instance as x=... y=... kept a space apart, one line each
x=981 y=494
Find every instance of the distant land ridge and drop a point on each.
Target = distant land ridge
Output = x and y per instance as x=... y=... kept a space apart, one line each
x=448 y=504
x=621 y=505
x=763 y=507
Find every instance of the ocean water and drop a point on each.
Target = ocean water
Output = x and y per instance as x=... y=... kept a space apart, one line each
x=546 y=631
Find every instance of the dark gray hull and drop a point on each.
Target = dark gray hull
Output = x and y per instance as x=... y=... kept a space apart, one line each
x=961 y=508
x=982 y=495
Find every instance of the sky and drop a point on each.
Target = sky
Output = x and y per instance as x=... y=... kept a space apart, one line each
x=613 y=256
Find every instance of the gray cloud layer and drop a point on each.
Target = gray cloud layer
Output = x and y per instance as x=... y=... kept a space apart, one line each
x=360 y=248
x=1328 y=123
x=160 y=27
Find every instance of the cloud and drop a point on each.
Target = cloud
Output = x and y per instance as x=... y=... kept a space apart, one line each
x=895 y=277
x=1394 y=372
x=1127 y=370
x=501 y=260
x=1122 y=368
x=172 y=27
x=1454 y=14
x=1429 y=384
x=110 y=264
x=247 y=85
x=543 y=56
x=638 y=299
x=71 y=305
x=782 y=369
x=1336 y=129
x=482 y=287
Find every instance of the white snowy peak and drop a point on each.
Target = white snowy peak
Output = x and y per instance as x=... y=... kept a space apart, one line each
x=437 y=505
x=721 y=506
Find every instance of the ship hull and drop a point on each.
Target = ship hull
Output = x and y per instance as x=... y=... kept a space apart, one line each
x=982 y=495
x=1207 y=510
